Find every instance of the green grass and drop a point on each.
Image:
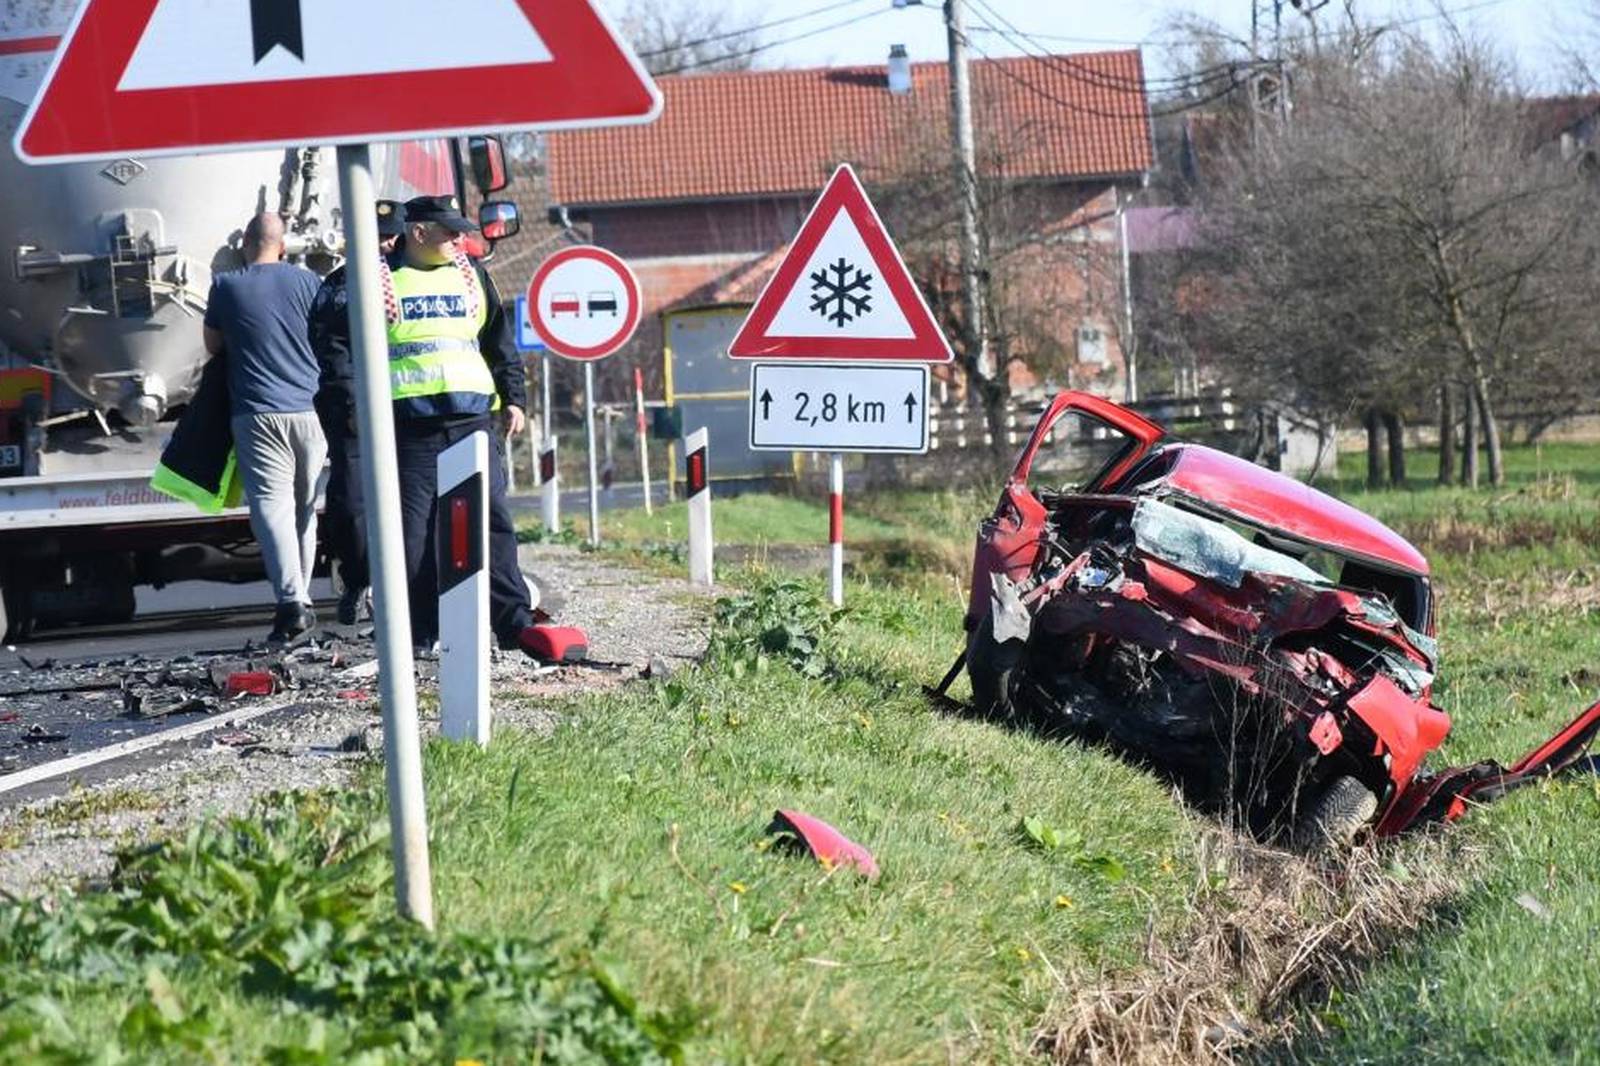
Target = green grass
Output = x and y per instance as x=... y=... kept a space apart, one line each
x=641 y=823
x=631 y=844
x=1519 y=575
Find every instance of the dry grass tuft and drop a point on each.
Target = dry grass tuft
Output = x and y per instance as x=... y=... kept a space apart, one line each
x=1270 y=930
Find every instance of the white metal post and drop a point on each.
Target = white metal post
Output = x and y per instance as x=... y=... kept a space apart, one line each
x=594 y=484
x=549 y=486
x=397 y=685
x=644 y=439
x=836 y=529
x=697 y=482
x=461 y=538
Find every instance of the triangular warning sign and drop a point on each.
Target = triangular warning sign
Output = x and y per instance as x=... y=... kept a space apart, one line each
x=842 y=291
x=164 y=77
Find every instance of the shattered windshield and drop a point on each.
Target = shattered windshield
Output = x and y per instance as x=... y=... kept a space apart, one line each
x=1208 y=548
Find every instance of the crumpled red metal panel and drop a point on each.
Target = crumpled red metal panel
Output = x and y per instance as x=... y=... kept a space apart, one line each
x=831 y=847
x=1407 y=728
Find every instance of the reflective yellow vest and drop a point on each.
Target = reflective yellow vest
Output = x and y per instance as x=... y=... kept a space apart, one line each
x=435 y=366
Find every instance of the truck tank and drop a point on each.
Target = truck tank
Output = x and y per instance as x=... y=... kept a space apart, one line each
x=102 y=292
x=111 y=263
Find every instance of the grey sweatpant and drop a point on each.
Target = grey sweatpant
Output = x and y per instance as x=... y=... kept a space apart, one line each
x=280 y=459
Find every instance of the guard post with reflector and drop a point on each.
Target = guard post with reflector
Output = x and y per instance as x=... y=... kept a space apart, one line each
x=461 y=548
x=697 y=480
x=549 y=484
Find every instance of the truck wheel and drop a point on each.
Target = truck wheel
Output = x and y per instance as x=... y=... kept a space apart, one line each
x=994 y=669
x=1334 y=818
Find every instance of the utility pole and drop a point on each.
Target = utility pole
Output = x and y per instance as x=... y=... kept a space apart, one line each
x=974 y=340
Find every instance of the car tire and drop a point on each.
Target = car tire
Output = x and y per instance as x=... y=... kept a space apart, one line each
x=993 y=668
x=1336 y=816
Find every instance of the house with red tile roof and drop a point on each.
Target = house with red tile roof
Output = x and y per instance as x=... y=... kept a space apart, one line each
x=702 y=201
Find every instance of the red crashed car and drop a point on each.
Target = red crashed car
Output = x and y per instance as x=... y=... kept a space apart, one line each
x=1265 y=644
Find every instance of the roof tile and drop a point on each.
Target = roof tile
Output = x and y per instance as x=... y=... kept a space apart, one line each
x=774 y=132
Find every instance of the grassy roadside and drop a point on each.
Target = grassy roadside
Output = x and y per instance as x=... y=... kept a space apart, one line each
x=614 y=882
x=1512 y=973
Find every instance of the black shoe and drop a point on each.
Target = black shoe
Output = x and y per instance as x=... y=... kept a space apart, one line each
x=355 y=604
x=291 y=620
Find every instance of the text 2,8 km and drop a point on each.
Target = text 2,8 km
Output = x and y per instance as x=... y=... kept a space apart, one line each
x=854 y=411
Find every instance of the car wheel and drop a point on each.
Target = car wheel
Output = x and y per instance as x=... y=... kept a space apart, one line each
x=994 y=669
x=1336 y=816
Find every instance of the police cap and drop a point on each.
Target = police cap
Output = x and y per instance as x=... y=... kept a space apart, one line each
x=391 y=218
x=441 y=210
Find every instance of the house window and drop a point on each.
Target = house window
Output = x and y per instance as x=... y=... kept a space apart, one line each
x=1092 y=346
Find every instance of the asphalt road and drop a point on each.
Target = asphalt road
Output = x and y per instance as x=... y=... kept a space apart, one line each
x=209 y=616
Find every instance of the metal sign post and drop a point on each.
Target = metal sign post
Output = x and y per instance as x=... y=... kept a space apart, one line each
x=836 y=529
x=594 y=481
x=644 y=437
x=397 y=685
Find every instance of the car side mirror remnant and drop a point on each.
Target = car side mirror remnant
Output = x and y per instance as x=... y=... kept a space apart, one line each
x=488 y=158
x=499 y=219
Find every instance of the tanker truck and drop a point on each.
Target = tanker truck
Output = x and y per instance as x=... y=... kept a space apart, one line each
x=108 y=267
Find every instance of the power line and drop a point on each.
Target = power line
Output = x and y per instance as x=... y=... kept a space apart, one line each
x=1083 y=72
x=998 y=65
x=758 y=49
x=714 y=38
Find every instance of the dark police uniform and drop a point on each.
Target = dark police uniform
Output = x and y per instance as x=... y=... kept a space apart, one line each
x=453 y=362
x=344 y=515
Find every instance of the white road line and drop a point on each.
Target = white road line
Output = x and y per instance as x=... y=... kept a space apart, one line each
x=83 y=760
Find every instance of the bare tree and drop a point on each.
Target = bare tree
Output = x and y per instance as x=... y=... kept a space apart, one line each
x=1398 y=236
x=673 y=36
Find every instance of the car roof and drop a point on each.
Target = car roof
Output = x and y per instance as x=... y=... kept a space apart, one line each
x=1275 y=501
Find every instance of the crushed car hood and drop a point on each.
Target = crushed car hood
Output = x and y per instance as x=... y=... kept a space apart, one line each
x=1239 y=487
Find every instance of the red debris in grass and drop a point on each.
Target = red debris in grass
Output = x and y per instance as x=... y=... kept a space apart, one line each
x=355 y=694
x=830 y=847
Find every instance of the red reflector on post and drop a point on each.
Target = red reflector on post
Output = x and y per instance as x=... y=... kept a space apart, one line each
x=697 y=471
x=460 y=548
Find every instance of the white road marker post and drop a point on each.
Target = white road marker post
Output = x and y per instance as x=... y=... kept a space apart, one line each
x=836 y=529
x=697 y=482
x=397 y=683
x=644 y=437
x=549 y=486
x=594 y=481
x=461 y=542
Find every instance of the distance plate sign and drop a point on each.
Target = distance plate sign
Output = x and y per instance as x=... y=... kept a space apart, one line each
x=839 y=407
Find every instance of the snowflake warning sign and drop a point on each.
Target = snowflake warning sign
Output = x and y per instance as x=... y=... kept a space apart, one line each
x=841 y=292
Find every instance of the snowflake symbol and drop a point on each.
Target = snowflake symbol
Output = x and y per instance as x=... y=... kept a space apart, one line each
x=839 y=293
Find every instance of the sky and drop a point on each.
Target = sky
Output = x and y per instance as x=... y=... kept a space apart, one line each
x=1530 y=28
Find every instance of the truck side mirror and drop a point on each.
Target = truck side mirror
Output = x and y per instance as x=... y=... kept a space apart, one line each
x=488 y=164
x=499 y=219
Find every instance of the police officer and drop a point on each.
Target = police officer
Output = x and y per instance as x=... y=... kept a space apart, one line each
x=344 y=518
x=453 y=364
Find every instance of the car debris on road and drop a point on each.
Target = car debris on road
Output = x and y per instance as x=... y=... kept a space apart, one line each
x=1270 y=647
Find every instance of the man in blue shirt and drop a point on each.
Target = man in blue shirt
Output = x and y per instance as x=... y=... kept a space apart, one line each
x=256 y=320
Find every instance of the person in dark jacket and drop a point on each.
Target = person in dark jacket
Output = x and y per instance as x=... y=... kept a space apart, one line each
x=344 y=512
